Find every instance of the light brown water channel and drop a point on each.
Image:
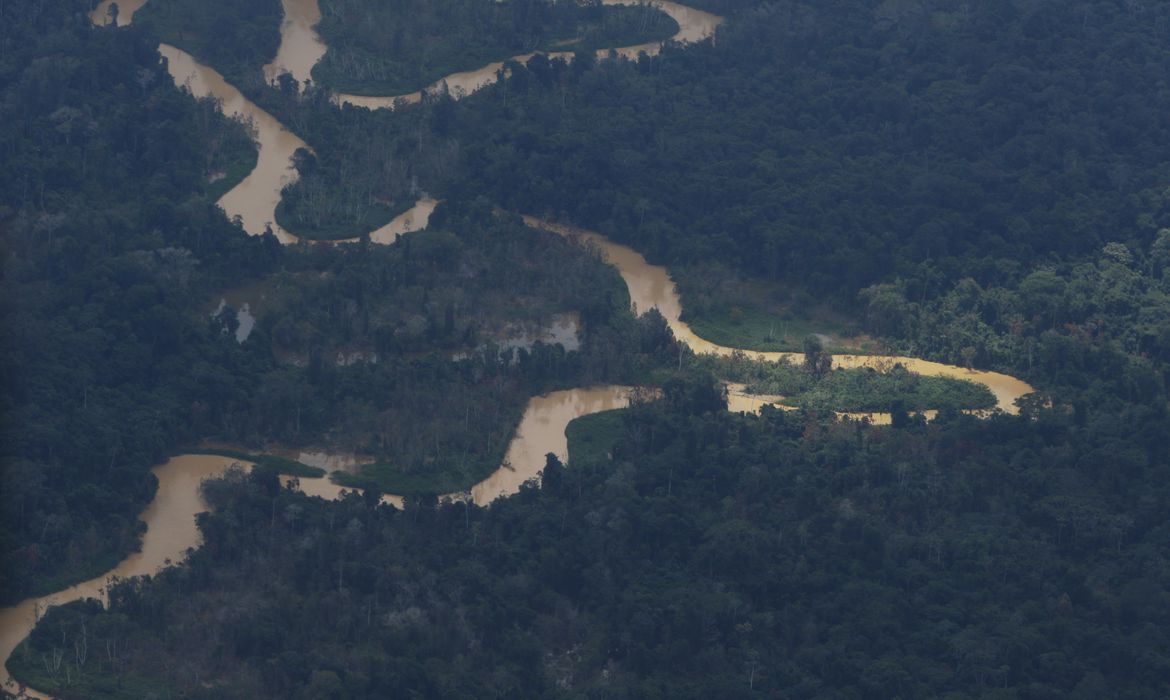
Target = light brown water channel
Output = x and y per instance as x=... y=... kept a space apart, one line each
x=254 y=200
x=300 y=47
x=693 y=25
x=126 y=9
x=170 y=517
x=651 y=287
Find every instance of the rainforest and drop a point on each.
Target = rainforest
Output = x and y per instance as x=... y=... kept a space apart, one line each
x=584 y=349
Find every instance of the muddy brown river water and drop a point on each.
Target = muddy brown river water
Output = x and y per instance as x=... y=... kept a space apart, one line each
x=300 y=47
x=170 y=518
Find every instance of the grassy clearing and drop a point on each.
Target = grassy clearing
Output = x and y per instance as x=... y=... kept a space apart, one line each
x=89 y=687
x=592 y=437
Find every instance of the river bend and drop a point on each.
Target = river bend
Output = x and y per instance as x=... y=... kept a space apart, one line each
x=170 y=517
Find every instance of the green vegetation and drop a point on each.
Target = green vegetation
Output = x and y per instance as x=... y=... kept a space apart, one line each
x=752 y=328
x=444 y=288
x=737 y=310
x=433 y=424
x=109 y=241
x=766 y=151
x=392 y=478
x=394 y=48
x=862 y=389
x=281 y=465
x=984 y=184
x=312 y=222
x=233 y=173
x=107 y=203
x=936 y=560
x=235 y=38
x=592 y=437
x=104 y=680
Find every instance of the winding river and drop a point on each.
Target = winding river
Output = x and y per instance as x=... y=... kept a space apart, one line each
x=170 y=517
x=693 y=25
x=651 y=287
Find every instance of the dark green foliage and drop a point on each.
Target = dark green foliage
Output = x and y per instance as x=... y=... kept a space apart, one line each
x=366 y=166
x=72 y=625
x=233 y=37
x=450 y=287
x=861 y=389
x=282 y=465
x=393 y=48
x=1061 y=323
x=592 y=437
x=311 y=218
x=838 y=144
x=109 y=360
x=712 y=555
x=888 y=149
x=109 y=240
x=434 y=424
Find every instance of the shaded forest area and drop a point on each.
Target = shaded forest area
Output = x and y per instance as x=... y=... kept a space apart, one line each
x=235 y=38
x=709 y=555
x=839 y=144
x=365 y=175
x=109 y=237
x=393 y=48
x=405 y=312
x=885 y=158
x=983 y=185
x=110 y=360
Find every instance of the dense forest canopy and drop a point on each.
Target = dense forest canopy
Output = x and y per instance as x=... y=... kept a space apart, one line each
x=715 y=555
x=109 y=240
x=235 y=38
x=840 y=144
x=822 y=147
x=389 y=48
x=984 y=184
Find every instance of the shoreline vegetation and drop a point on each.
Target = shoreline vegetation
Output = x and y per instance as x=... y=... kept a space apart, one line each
x=1022 y=554
x=591 y=438
x=750 y=312
x=365 y=221
x=234 y=38
x=864 y=389
x=753 y=329
x=281 y=465
x=400 y=47
x=233 y=173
